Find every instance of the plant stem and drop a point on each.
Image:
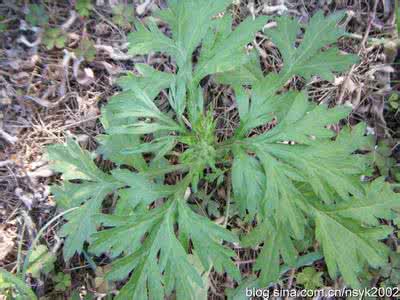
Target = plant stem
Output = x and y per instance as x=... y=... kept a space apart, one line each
x=20 y=249
x=228 y=199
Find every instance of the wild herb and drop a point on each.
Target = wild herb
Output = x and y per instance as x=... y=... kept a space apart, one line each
x=297 y=181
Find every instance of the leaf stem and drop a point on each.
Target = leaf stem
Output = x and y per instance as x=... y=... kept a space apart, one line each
x=228 y=198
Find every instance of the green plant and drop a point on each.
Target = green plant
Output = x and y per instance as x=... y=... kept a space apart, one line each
x=394 y=102
x=37 y=15
x=308 y=189
x=3 y=25
x=391 y=272
x=54 y=37
x=41 y=261
x=12 y=287
x=86 y=49
x=62 y=282
x=381 y=157
x=76 y=296
x=83 y=7
x=310 y=278
x=123 y=15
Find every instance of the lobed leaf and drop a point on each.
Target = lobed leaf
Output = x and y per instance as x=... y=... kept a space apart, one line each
x=277 y=244
x=228 y=53
x=76 y=163
x=160 y=263
x=306 y=59
x=248 y=181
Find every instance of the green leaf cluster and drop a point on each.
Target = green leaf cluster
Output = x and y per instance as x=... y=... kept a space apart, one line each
x=54 y=37
x=123 y=15
x=37 y=15
x=298 y=181
x=40 y=261
x=13 y=287
x=310 y=278
x=3 y=24
x=83 y=7
x=86 y=49
x=62 y=282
